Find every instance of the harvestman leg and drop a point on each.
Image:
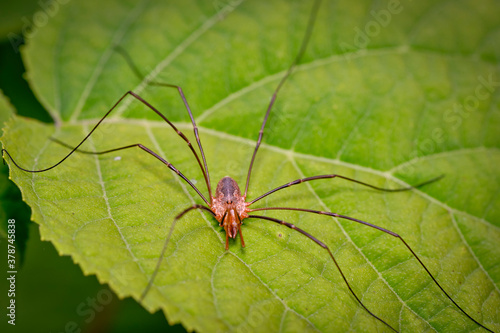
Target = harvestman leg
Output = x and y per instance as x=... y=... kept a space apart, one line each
x=305 y=41
x=157 y=268
x=169 y=165
x=302 y=180
x=138 y=145
x=324 y=246
x=167 y=240
x=372 y=226
x=307 y=179
x=138 y=73
x=141 y=146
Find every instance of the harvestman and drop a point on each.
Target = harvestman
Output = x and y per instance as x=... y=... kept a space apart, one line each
x=228 y=206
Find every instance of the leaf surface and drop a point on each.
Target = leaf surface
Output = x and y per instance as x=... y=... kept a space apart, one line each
x=416 y=99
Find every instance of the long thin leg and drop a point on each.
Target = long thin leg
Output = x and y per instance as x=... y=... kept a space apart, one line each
x=146 y=149
x=387 y=232
x=303 y=180
x=302 y=49
x=102 y=119
x=126 y=147
x=167 y=240
x=323 y=245
x=138 y=73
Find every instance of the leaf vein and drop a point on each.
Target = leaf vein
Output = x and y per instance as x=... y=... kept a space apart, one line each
x=108 y=208
x=469 y=249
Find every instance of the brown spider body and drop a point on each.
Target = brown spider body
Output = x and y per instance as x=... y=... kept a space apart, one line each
x=230 y=208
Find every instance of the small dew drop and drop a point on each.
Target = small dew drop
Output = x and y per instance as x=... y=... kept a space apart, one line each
x=117 y=158
x=193 y=181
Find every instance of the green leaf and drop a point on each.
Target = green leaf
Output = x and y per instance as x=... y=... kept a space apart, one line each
x=25 y=16
x=416 y=98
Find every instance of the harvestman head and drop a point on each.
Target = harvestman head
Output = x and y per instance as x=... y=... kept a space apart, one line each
x=228 y=205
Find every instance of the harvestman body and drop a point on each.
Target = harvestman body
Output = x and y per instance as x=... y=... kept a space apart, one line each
x=228 y=205
x=230 y=208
